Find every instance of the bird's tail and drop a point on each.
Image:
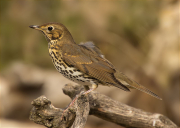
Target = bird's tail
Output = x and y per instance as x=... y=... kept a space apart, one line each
x=132 y=84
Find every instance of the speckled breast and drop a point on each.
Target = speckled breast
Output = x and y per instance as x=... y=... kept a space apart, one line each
x=69 y=72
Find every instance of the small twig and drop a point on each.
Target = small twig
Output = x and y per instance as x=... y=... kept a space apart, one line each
x=99 y=105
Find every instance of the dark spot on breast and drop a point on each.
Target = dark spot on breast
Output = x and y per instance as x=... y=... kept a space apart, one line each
x=66 y=72
x=64 y=65
x=59 y=63
x=71 y=71
x=54 y=55
x=81 y=80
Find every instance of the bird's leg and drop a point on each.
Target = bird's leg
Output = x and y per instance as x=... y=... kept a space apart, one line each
x=94 y=86
x=72 y=102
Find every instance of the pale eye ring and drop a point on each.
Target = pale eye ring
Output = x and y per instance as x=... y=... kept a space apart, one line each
x=50 y=28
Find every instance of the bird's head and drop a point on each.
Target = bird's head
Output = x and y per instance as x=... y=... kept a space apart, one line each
x=53 y=31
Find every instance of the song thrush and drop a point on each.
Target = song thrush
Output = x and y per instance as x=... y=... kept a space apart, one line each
x=83 y=63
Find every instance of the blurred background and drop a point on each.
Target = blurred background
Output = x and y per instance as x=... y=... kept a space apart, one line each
x=141 y=38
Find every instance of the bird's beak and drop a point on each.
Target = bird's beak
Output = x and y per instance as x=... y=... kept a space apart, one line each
x=35 y=27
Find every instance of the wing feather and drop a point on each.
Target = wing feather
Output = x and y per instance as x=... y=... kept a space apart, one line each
x=91 y=63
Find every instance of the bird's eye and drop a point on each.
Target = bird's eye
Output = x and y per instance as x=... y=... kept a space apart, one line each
x=50 y=28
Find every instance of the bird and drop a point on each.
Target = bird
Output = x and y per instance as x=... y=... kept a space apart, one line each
x=84 y=63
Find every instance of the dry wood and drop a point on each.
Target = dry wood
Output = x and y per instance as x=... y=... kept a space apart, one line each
x=95 y=104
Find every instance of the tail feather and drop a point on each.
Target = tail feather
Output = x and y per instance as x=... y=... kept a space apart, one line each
x=121 y=86
x=132 y=84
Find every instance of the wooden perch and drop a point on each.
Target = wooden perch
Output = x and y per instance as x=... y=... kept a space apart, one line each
x=95 y=104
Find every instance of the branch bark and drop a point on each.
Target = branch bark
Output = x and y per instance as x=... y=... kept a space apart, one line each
x=96 y=104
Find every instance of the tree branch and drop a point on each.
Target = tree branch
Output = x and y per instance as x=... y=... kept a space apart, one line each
x=95 y=104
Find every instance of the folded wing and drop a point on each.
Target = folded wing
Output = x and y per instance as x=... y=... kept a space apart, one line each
x=91 y=63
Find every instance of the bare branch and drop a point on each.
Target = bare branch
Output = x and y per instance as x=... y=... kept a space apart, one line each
x=99 y=105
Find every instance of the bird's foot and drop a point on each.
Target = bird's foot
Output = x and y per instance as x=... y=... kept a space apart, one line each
x=71 y=104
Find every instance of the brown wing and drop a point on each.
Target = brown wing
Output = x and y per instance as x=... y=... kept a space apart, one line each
x=90 y=45
x=91 y=63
